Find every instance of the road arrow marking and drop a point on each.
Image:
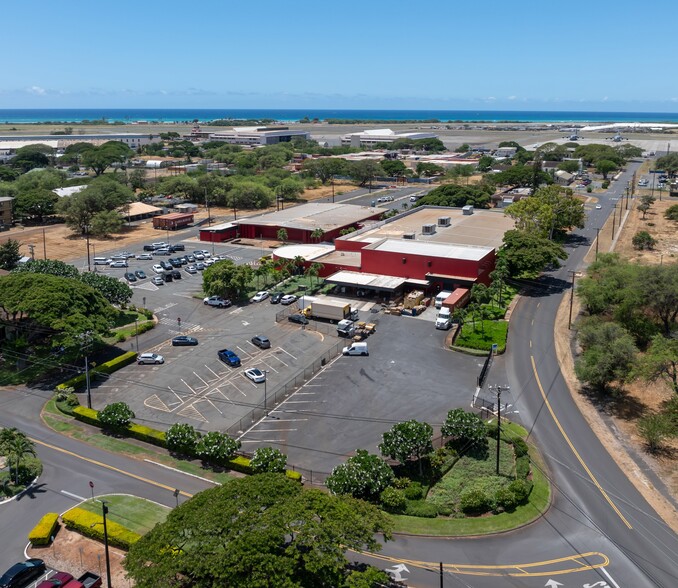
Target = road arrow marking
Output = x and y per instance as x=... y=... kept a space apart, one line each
x=552 y=584
x=396 y=571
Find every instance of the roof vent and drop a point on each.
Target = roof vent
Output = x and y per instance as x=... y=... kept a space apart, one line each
x=428 y=229
x=444 y=221
x=408 y=236
x=468 y=209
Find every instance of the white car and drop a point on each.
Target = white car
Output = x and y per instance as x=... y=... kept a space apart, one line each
x=117 y=263
x=209 y=262
x=158 y=269
x=256 y=375
x=145 y=256
x=158 y=281
x=199 y=256
x=259 y=296
x=150 y=358
x=288 y=299
x=598 y=206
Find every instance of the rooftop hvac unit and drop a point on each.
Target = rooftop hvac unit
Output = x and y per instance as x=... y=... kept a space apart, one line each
x=444 y=221
x=468 y=209
x=408 y=235
x=428 y=229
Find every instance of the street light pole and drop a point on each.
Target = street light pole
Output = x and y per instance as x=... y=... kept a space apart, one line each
x=89 y=266
x=498 y=390
x=265 y=393
x=597 y=233
x=136 y=332
x=569 y=322
x=104 y=509
x=86 y=340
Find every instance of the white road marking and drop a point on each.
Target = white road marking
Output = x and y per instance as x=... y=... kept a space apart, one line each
x=187 y=386
x=73 y=495
x=609 y=577
x=262 y=440
x=288 y=353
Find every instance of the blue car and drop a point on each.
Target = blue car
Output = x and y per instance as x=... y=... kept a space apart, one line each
x=229 y=357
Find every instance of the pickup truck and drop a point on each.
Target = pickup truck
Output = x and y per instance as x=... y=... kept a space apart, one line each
x=66 y=580
x=229 y=357
x=217 y=301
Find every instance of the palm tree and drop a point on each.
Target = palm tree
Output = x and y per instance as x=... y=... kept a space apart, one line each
x=317 y=234
x=19 y=446
x=298 y=264
x=313 y=271
x=260 y=272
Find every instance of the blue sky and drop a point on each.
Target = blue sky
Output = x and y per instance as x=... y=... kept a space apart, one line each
x=525 y=55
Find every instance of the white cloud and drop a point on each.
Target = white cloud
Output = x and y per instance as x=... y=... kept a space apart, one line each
x=37 y=90
x=512 y=98
x=605 y=99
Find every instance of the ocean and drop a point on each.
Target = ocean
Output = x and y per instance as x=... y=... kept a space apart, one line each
x=129 y=115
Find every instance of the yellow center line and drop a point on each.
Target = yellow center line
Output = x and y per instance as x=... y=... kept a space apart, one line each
x=110 y=467
x=576 y=453
x=551 y=567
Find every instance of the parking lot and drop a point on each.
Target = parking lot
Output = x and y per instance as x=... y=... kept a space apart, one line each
x=353 y=400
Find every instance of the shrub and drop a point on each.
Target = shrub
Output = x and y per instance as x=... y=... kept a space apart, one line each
x=445 y=510
x=520 y=448
x=505 y=499
x=182 y=438
x=589 y=189
x=442 y=460
x=146 y=434
x=522 y=467
x=268 y=459
x=29 y=468
x=464 y=427
x=105 y=368
x=474 y=501
x=654 y=428
x=91 y=525
x=414 y=491
x=87 y=415
x=116 y=416
x=671 y=213
x=43 y=532
x=393 y=499
x=643 y=240
x=421 y=508
x=491 y=430
x=364 y=475
x=605 y=185
x=521 y=490
x=216 y=447
x=120 y=337
x=401 y=483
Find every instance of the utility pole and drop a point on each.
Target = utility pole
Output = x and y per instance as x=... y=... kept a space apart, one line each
x=597 y=233
x=44 y=244
x=207 y=204
x=498 y=389
x=89 y=265
x=614 y=218
x=332 y=188
x=104 y=510
x=86 y=339
x=569 y=322
x=136 y=332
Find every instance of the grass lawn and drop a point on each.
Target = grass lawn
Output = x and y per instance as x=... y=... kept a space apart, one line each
x=134 y=513
x=486 y=334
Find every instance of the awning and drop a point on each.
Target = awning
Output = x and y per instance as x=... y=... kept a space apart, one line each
x=364 y=280
x=455 y=278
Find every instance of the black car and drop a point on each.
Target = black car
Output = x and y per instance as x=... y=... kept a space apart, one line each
x=174 y=262
x=167 y=276
x=178 y=247
x=276 y=297
x=166 y=265
x=20 y=574
x=300 y=319
x=140 y=274
x=261 y=342
x=130 y=277
x=184 y=340
x=149 y=248
x=176 y=274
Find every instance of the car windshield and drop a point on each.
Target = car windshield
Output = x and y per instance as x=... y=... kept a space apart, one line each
x=256 y=372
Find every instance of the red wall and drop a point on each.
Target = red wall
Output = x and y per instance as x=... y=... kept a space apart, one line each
x=218 y=236
x=417 y=266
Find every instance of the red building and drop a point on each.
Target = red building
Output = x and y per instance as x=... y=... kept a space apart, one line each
x=172 y=221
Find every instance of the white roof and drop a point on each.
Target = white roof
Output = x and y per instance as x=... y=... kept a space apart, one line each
x=307 y=251
x=366 y=280
x=467 y=252
x=61 y=192
x=379 y=132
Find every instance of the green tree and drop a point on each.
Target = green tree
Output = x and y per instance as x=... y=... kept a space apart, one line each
x=605 y=166
x=659 y=362
x=671 y=213
x=250 y=194
x=16 y=445
x=137 y=179
x=182 y=438
x=608 y=354
x=9 y=254
x=643 y=240
x=363 y=172
x=258 y=531
x=105 y=223
x=428 y=170
x=281 y=235
x=226 y=279
x=324 y=168
x=669 y=163
x=35 y=204
x=116 y=416
x=464 y=148
x=363 y=475
x=571 y=166
x=464 y=428
x=643 y=207
x=654 y=429
x=317 y=234
x=100 y=158
x=659 y=285
x=216 y=447
x=485 y=163
x=53 y=267
x=313 y=270
x=268 y=460
x=527 y=253
x=457 y=196
x=112 y=289
x=520 y=176
x=394 y=168
x=406 y=441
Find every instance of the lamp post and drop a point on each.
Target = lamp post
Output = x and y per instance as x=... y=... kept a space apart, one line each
x=86 y=339
x=136 y=332
x=498 y=389
x=569 y=322
x=265 y=393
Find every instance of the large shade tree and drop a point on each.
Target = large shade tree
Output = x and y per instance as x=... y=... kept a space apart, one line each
x=259 y=531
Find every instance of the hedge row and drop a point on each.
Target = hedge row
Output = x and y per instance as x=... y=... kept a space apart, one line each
x=155 y=437
x=43 y=532
x=91 y=525
x=107 y=367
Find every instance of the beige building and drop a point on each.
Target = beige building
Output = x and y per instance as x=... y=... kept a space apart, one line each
x=5 y=211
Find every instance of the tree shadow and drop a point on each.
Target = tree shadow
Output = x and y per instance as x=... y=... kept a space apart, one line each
x=616 y=402
x=31 y=492
x=544 y=286
x=577 y=240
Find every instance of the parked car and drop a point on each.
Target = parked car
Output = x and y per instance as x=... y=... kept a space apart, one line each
x=58 y=579
x=256 y=375
x=130 y=277
x=158 y=281
x=184 y=340
x=159 y=245
x=178 y=247
x=102 y=260
x=217 y=301
x=229 y=357
x=191 y=269
x=259 y=296
x=141 y=274
x=200 y=266
x=119 y=263
x=176 y=274
x=276 y=297
x=167 y=276
x=190 y=258
x=261 y=342
x=356 y=349
x=162 y=251
x=299 y=319
x=158 y=269
x=174 y=262
x=288 y=299
x=22 y=573
x=149 y=248
x=150 y=358
x=198 y=255
x=166 y=265
x=144 y=256
x=598 y=206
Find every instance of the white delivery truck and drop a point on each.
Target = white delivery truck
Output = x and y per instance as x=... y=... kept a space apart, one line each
x=441 y=297
x=444 y=319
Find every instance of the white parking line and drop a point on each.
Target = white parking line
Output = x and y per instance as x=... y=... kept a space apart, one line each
x=271 y=430
x=187 y=386
x=210 y=369
x=199 y=378
x=288 y=353
x=288 y=420
x=299 y=401
x=262 y=440
x=278 y=359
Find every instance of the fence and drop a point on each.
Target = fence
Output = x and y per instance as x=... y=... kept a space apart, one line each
x=485 y=369
x=313 y=325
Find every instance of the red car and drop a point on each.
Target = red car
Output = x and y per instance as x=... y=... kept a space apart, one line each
x=58 y=579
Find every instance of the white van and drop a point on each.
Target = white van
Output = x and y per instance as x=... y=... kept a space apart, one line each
x=441 y=297
x=356 y=349
x=101 y=261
